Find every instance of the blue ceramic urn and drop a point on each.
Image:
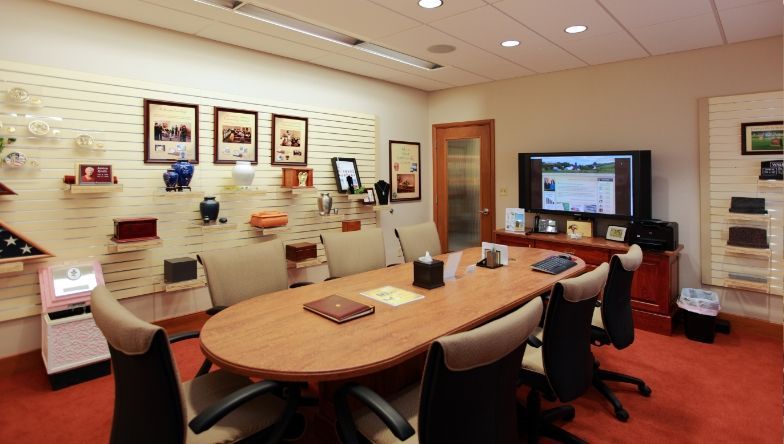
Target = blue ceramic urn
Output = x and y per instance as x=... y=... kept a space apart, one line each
x=184 y=170
x=170 y=178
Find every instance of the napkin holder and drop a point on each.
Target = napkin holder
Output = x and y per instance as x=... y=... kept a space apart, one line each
x=429 y=275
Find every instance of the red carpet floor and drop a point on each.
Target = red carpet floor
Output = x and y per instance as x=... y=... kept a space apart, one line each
x=726 y=392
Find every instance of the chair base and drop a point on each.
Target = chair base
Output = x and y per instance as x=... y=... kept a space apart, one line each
x=601 y=375
x=534 y=422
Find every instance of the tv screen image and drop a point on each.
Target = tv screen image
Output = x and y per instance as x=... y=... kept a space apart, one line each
x=612 y=184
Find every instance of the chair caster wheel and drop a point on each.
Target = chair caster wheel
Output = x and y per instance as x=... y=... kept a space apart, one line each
x=645 y=390
x=569 y=416
x=622 y=415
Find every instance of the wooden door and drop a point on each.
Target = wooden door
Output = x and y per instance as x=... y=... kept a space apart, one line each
x=464 y=172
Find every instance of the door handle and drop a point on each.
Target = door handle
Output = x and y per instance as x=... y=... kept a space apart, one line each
x=484 y=211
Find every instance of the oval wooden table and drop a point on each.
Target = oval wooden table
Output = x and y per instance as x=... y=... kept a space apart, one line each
x=273 y=337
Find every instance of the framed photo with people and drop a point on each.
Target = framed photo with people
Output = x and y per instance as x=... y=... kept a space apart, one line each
x=169 y=129
x=235 y=136
x=404 y=171
x=289 y=140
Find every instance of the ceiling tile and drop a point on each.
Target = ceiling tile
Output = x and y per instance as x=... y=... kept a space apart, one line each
x=726 y=4
x=368 y=69
x=639 y=13
x=551 y=20
x=143 y=12
x=416 y=12
x=753 y=21
x=467 y=57
x=606 y=48
x=680 y=35
x=261 y=42
x=534 y=52
x=357 y=18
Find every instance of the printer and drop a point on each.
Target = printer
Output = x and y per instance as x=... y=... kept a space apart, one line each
x=653 y=234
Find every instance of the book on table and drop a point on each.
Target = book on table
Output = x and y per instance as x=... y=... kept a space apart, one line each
x=392 y=295
x=338 y=309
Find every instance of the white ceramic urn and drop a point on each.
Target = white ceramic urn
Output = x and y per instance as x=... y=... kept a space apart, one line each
x=243 y=173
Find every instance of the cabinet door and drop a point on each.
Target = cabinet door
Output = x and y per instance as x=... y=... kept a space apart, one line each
x=651 y=284
x=514 y=241
x=591 y=256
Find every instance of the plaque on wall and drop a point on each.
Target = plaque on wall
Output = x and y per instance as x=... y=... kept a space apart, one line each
x=772 y=170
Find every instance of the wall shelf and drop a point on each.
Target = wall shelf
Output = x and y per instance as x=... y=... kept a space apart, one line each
x=744 y=251
x=299 y=190
x=306 y=263
x=178 y=286
x=216 y=226
x=741 y=284
x=770 y=183
x=272 y=230
x=124 y=247
x=94 y=189
x=359 y=197
x=747 y=217
x=11 y=267
x=384 y=208
x=331 y=217
x=162 y=193
x=255 y=191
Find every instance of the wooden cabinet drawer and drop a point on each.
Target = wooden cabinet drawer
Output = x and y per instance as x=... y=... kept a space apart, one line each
x=591 y=256
x=514 y=241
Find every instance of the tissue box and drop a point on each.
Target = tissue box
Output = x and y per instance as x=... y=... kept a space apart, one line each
x=429 y=275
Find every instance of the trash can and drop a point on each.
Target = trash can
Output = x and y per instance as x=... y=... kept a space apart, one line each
x=701 y=308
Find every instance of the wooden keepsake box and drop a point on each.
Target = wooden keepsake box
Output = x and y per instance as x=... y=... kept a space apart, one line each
x=135 y=229
x=269 y=219
x=301 y=251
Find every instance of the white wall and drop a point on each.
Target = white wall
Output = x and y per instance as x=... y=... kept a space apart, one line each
x=647 y=103
x=42 y=33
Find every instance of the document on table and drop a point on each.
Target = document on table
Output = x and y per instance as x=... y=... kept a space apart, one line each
x=450 y=268
x=392 y=295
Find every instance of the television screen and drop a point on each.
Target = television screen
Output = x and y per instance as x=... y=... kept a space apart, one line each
x=599 y=184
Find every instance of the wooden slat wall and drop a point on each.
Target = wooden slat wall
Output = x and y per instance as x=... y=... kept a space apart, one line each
x=732 y=174
x=78 y=226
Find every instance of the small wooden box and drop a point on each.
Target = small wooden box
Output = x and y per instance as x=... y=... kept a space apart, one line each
x=135 y=229
x=301 y=251
x=352 y=225
x=179 y=269
x=291 y=177
x=429 y=275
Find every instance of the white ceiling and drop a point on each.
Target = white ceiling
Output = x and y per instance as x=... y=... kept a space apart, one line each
x=617 y=30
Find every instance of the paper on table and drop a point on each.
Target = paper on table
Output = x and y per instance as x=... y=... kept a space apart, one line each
x=503 y=249
x=392 y=295
x=450 y=268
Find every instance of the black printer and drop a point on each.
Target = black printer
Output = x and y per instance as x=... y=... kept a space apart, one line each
x=653 y=234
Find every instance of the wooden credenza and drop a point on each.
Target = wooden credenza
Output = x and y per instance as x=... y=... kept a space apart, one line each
x=655 y=286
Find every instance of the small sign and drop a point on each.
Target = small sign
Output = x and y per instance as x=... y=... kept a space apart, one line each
x=94 y=174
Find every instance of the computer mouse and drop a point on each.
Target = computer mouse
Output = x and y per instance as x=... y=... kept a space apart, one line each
x=565 y=256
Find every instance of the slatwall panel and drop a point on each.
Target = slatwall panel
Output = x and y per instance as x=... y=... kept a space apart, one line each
x=78 y=226
x=733 y=174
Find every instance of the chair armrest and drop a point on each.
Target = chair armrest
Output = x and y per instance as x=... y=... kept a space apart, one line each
x=300 y=284
x=215 y=310
x=214 y=413
x=177 y=337
x=396 y=423
x=533 y=341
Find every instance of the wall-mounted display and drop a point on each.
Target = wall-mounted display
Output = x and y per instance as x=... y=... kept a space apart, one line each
x=289 y=140
x=404 y=169
x=170 y=128
x=762 y=138
x=93 y=174
x=235 y=136
x=15 y=247
x=345 y=168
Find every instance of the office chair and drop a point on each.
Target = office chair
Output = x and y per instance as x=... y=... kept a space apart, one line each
x=558 y=364
x=353 y=252
x=152 y=405
x=417 y=239
x=613 y=324
x=467 y=394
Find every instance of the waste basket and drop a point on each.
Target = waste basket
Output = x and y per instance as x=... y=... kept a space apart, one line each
x=701 y=308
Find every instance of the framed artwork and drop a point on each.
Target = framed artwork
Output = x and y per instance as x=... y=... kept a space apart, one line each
x=93 y=174
x=616 y=233
x=762 y=138
x=289 y=140
x=404 y=171
x=235 y=136
x=170 y=128
x=345 y=167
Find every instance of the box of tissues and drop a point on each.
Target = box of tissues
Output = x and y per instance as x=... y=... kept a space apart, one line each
x=428 y=272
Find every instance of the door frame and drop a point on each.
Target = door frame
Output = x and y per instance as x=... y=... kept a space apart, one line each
x=490 y=196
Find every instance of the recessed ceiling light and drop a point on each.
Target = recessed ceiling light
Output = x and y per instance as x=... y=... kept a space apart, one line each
x=576 y=29
x=430 y=4
x=510 y=43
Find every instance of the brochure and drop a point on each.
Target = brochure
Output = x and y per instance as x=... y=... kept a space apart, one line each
x=392 y=295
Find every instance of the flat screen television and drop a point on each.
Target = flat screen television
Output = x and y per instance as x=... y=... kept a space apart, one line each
x=607 y=184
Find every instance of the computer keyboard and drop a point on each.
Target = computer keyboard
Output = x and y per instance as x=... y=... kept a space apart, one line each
x=554 y=265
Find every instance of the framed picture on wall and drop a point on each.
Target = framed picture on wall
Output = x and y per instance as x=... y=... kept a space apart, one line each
x=404 y=171
x=289 y=140
x=170 y=128
x=345 y=167
x=763 y=138
x=235 y=136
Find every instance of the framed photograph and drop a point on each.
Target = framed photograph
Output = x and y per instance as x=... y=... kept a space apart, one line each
x=93 y=174
x=235 y=136
x=616 y=233
x=170 y=128
x=762 y=138
x=289 y=140
x=404 y=171
x=370 y=197
x=345 y=167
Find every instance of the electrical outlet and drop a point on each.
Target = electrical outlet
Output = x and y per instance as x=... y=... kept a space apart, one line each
x=503 y=191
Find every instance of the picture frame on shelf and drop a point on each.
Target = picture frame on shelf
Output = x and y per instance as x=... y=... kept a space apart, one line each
x=616 y=233
x=762 y=138
x=404 y=171
x=289 y=140
x=235 y=136
x=370 y=197
x=170 y=127
x=344 y=167
x=93 y=174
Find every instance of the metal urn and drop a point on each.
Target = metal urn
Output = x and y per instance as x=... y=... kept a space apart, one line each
x=324 y=203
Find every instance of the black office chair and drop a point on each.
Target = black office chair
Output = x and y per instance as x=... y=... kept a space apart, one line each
x=558 y=364
x=613 y=324
x=152 y=405
x=467 y=393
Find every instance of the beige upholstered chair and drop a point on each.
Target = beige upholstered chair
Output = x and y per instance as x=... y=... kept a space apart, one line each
x=558 y=361
x=151 y=405
x=353 y=252
x=417 y=239
x=467 y=393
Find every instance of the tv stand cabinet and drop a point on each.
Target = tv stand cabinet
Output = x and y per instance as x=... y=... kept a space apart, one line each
x=655 y=286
